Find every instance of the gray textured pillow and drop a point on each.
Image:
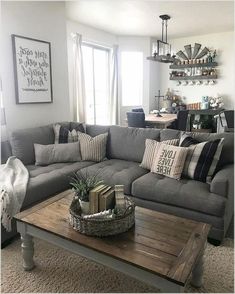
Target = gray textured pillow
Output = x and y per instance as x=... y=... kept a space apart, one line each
x=53 y=153
x=93 y=148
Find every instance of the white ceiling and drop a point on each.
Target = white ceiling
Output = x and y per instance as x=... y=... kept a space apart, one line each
x=141 y=18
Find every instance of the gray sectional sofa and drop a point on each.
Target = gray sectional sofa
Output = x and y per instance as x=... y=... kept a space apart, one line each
x=211 y=203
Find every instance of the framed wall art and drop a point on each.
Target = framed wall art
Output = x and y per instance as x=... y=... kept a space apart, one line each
x=32 y=69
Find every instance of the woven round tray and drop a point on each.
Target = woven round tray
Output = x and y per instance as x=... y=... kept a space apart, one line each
x=102 y=227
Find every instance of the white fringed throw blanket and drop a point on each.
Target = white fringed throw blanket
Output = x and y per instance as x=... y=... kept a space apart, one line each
x=13 y=183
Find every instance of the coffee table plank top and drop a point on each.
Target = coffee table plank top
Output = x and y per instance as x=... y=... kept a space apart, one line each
x=163 y=244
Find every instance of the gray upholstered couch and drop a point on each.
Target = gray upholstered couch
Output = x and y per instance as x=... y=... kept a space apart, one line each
x=212 y=203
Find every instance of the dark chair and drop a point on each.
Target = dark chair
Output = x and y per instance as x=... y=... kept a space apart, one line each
x=229 y=116
x=181 y=122
x=229 y=119
x=136 y=119
x=137 y=109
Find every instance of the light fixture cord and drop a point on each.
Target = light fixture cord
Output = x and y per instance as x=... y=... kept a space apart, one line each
x=166 y=29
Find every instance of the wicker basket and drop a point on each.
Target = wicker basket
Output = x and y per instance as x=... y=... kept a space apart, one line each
x=102 y=227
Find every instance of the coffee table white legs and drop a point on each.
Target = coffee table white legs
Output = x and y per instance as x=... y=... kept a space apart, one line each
x=27 y=252
x=197 y=273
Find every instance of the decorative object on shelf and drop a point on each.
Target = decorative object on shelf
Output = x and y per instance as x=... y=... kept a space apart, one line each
x=106 y=223
x=181 y=55
x=82 y=184
x=216 y=102
x=161 y=50
x=214 y=56
x=204 y=51
x=196 y=49
x=205 y=102
x=195 y=106
x=32 y=70
x=192 y=65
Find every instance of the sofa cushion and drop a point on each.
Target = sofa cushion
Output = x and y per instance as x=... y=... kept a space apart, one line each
x=66 y=135
x=116 y=172
x=93 y=148
x=95 y=130
x=169 y=160
x=169 y=134
x=54 y=153
x=150 y=146
x=45 y=181
x=129 y=143
x=202 y=158
x=189 y=194
x=227 y=154
x=22 y=141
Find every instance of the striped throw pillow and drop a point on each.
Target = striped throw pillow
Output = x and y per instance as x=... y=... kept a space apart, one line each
x=150 y=146
x=202 y=158
x=64 y=135
x=169 y=160
x=93 y=148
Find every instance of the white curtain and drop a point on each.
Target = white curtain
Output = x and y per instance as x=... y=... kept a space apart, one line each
x=114 y=103
x=78 y=80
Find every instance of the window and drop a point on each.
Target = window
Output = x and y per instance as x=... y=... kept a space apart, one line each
x=132 y=78
x=96 y=73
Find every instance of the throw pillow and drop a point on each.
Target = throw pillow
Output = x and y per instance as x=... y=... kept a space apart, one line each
x=150 y=146
x=202 y=158
x=64 y=135
x=169 y=160
x=54 y=153
x=93 y=148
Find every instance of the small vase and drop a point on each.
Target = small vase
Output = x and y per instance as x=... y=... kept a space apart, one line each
x=85 y=206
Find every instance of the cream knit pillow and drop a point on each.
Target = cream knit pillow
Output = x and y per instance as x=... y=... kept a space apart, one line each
x=150 y=146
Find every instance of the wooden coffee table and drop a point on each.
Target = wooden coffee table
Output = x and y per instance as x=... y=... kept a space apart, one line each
x=161 y=249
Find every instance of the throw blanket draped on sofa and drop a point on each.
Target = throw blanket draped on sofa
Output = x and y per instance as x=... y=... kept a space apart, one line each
x=13 y=183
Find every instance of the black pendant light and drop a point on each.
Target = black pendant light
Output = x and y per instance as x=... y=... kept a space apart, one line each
x=161 y=50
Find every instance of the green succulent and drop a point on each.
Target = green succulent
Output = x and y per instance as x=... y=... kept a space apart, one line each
x=82 y=183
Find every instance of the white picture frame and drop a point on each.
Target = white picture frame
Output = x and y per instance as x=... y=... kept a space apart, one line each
x=32 y=70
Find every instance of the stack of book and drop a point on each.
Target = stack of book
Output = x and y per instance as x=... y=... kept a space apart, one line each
x=101 y=198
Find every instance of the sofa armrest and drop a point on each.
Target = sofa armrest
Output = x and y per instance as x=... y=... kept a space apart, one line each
x=223 y=182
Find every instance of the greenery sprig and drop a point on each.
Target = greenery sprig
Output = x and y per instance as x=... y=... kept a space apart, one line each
x=82 y=183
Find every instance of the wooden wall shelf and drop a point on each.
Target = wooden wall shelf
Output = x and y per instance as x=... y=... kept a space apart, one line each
x=212 y=77
x=181 y=66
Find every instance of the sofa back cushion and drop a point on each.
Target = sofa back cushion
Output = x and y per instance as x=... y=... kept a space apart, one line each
x=169 y=134
x=22 y=141
x=129 y=143
x=95 y=130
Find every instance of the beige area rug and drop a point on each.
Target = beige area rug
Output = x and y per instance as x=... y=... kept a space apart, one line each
x=57 y=270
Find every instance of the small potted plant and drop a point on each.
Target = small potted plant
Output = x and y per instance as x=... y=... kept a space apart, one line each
x=81 y=184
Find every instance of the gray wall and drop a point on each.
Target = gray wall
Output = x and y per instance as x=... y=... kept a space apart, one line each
x=39 y=20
